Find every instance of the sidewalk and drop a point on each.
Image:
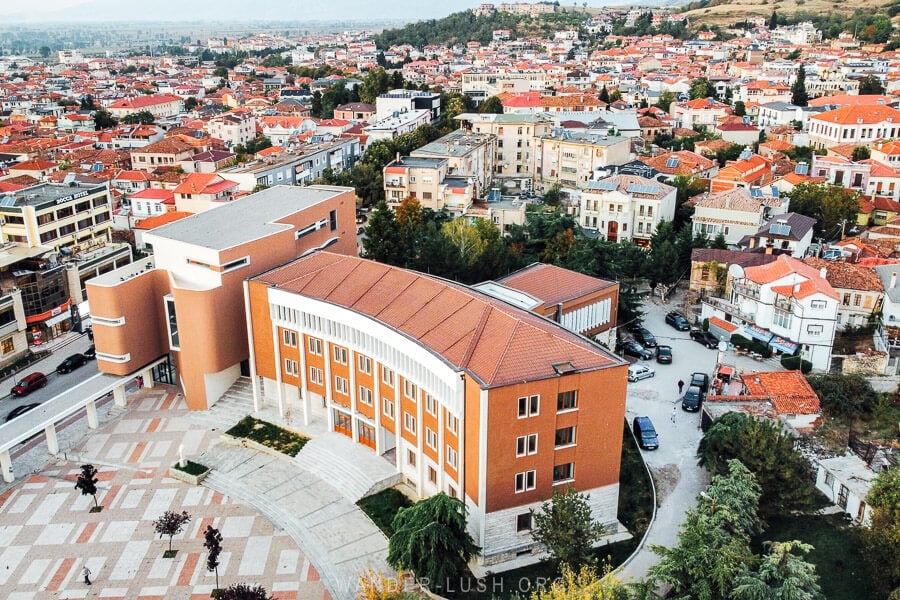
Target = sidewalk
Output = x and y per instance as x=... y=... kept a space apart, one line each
x=48 y=534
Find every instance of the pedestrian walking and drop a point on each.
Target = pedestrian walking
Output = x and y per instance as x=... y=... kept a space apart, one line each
x=87 y=575
x=680 y=386
x=674 y=412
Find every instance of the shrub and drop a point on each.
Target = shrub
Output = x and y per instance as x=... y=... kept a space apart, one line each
x=192 y=468
x=795 y=363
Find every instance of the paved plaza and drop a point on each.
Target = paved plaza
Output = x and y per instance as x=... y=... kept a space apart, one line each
x=48 y=534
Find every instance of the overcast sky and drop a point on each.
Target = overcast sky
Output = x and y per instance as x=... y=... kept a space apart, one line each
x=234 y=10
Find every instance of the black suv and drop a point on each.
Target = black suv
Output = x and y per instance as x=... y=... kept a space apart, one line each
x=701 y=380
x=644 y=337
x=692 y=399
x=705 y=338
x=678 y=321
x=71 y=363
x=632 y=348
x=664 y=354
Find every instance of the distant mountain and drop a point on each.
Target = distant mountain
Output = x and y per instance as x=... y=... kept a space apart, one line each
x=825 y=13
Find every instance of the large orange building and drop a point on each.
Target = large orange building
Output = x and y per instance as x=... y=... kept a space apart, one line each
x=183 y=307
x=473 y=396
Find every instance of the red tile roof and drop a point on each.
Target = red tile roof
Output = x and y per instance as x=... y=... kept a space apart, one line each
x=789 y=391
x=495 y=343
x=552 y=284
x=810 y=280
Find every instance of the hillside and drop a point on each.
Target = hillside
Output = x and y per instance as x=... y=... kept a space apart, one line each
x=726 y=13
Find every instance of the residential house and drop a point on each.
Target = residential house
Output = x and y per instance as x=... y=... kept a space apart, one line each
x=859 y=288
x=682 y=162
x=151 y=202
x=861 y=125
x=841 y=171
x=168 y=152
x=159 y=105
x=788 y=233
x=789 y=393
x=399 y=101
x=469 y=156
x=374 y=353
x=737 y=132
x=37 y=168
x=427 y=180
x=626 y=207
x=234 y=127
x=571 y=159
x=702 y=112
x=208 y=162
x=735 y=213
x=355 y=111
x=785 y=304
x=397 y=124
x=203 y=191
x=503 y=213
x=846 y=481
x=711 y=272
x=652 y=127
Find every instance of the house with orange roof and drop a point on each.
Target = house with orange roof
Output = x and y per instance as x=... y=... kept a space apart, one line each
x=887 y=153
x=682 y=162
x=151 y=202
x=702 y=112
x=167 y=152
x=626 y=207
x=790 y=394
x=37 y=168
x=861 y=124
x=160 y=105
x=786 y=304
x=203 y=191
x=841 y=171
x=859 y=288
x=749 y=171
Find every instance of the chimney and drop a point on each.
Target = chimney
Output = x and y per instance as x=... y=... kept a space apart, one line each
x=756 y=380
x=893 y=280
x=823 y=273
x=796 y=288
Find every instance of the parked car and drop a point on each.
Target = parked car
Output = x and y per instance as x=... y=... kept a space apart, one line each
x=705 y=338
x=645 y=433
x=632 y=348
x=20 y=410
x=644 y=337
x=664 y=354
x=28 y=384
x=701 y=380
x=638 y=372
x=678 y=321
x=72 y=362
x=90 y=353
x=692 y=399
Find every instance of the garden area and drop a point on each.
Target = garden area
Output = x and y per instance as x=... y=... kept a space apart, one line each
x=269 y=435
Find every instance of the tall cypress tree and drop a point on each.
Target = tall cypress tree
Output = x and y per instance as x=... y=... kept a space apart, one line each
x=799 y=97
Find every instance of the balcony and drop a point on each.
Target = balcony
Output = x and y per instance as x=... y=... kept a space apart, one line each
x=394 y=183
x=730 y=309
x=784 y=303
x=751 y=291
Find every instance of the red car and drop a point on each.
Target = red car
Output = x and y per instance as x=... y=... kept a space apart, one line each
x=29 y=383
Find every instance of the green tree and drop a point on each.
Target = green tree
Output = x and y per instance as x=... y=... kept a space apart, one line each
x=781 y=575
x=315 y=108
x=870 y=85
x=87 y=103
x=714 y=543
x=784 y=475
x=719 y=242
x=740 y=109
x=87 y=482
x=220 y=72
x=212 y=541
x=430 y=539
x=45 y=52
x=171 y=523
x=831 y=206
x=861 y=153
x=383 y=242
x=882 y=537
x=844 y=394
x=375 y=83
x=191 y=103
x=103 y=119
x=142 y=117
x=554 y=195
x=245 y=591
x=565 y=527
x=604 y=94
x=773 y=20
x=491 y=105
x=799 y=95
x=701 y=87
x=665 y=100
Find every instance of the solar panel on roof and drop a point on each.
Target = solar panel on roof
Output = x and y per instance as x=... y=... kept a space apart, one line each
x=637 y=188
x=746 y=154
x=8 y=201
x=756 y=192
x=604 y=185
x=672 y=162
x=801 y=169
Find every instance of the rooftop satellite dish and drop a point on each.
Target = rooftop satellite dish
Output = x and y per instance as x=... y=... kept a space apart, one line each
x=735 y=271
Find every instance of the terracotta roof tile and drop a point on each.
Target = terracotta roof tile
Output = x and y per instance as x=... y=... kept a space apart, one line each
x=789 y=391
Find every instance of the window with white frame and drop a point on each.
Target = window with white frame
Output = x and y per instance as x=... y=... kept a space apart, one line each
x=526 y=444
x=814 y=329
x=411 y=458
x=431 y=438
x=365 y=364
x=565 y=436
x=290 y=367
x=818 y=304
x=387 y=376
x=526 y=481
x=781 y=318
x=430 y=404
x=365 y=395
x=432 y=475
x=529 y=406
x=316 y=376
x=409 y=423
x=452 y=456
x=387 y=407
x=410 y=390
x=315 y=346
x=563 y=473
x=340 y=355
x=290 y=338
x=452 y=424
x=341 y=385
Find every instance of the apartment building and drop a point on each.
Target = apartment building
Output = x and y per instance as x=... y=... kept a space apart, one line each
x=400 y=101
x=428 y=180
x=474 y=397
x=480 y=84
x=468 y=155
x=159 y=105
x=856 y=124
x=234 y=127
x=735 y=213
x=570 y=159
x=184 y=306
x=859 y=288
x=626 y=207
x=702 y=112
x=396 y=124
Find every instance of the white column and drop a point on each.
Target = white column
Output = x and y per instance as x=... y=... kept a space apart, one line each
x=420 y=443
x=6 y=466
x=147 y=375
x=304 y=375
x=354 y=407
x=91 y=409
x=254 y=378
x=52 y=442
x=119 y=395
x=327 y=350
x=279 y=384
x=398 y=424
x=376 y=400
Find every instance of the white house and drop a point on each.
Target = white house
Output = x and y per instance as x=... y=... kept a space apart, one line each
x=736 y=213
x=860 y=124
x=846 y=481
x=626 y=207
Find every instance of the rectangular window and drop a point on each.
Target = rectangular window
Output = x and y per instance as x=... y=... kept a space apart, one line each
x=856 y=299
x=411 y=458
x=528 y=406
x=387 y=376
x=525 y=481
x=452 y=424
x=829 y=480
x=814 y=329
x=430 y=404
x=526 y=444
x=565 y=437
x=365 y=364
x=332 y=220
x=846 y=301
x=315 y=346
x=340 y=355
x=782 y=319
x=451 y=457
x=409 y=422
x=523 y=522
x=173 y=323
x=410 y=390
x=341 y=385
x=7 y=345
x=290 y=338
x=563 y=473
x=387 y=407
x=567 y=400
x=431 y=438
x=432 y=475
x=818 y=304
x=451 y=491
x=315 y=375
x=365 y=395
x=290 y=367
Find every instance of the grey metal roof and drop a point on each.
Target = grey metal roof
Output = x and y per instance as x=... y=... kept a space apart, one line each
x=884 y=273
x=250 y=218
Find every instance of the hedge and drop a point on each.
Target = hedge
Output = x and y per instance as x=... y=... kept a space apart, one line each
x=751 y=345
x=795 y=363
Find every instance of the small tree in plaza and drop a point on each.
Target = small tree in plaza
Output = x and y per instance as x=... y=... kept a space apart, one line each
x=87 y=483
x=171 y=523
x=213 y=543
x=245 y=591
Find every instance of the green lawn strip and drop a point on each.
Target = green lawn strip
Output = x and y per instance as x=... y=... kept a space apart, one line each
x=269 y=435
x=838 y=553
x=383 y=507
x=192 y=468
